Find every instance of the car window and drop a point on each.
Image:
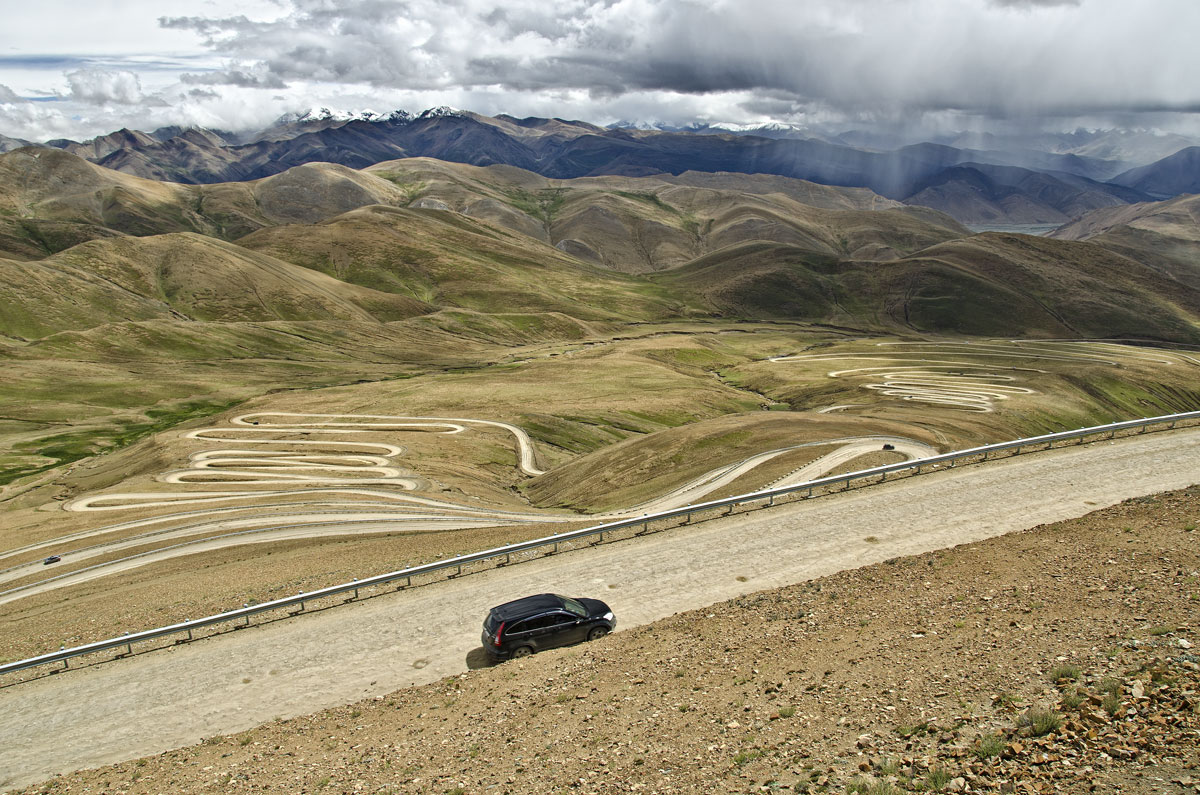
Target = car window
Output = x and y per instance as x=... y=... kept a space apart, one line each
x=558 y=619
x=574 y=606
x=520 y=626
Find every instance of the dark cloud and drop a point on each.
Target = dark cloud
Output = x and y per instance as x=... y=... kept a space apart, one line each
x=971 y=56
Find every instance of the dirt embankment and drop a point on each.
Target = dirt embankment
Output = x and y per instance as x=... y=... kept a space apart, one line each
x=945 y=671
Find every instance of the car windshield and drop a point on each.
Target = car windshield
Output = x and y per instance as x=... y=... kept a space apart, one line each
x=573 y=606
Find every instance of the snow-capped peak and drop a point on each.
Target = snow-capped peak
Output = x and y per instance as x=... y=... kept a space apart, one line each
x=772 y=126
x=323 y=114
x=440 y=111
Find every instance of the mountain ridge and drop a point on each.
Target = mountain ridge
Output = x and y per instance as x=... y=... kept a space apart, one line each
x=563 y=149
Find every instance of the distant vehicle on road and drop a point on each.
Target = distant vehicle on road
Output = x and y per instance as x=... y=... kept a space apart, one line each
x=523 y=626
x=51 y=559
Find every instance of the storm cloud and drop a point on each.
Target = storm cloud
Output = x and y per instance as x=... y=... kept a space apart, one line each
x=961 y=64
x=993 y=57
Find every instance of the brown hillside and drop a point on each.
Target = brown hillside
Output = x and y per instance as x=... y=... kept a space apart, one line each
x=990 y=284
x=181 y=276
x=645 y=224
x=449 y=259
x=1163 y=235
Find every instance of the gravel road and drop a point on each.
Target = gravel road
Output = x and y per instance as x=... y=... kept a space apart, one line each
x=167 y=699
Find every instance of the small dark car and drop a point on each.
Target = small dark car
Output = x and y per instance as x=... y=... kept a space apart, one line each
x=521 y=627
x=51 y=559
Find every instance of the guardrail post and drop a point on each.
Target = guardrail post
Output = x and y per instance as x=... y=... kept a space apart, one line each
x=189 y=633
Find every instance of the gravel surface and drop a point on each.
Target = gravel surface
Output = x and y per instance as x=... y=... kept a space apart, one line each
x=851 y=654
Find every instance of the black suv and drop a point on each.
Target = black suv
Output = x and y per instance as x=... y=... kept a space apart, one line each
x=521 y=627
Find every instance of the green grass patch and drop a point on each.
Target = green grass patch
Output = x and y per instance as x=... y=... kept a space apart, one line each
x=542 y=205
x=1039 y=722
x=67 y=447
x=989 y=746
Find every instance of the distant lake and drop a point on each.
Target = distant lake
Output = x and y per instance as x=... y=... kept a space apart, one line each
x=1040 y=230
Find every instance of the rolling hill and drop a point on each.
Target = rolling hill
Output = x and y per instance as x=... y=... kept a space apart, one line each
x=640 y=225
x=1163 y=235
x=182 y=276
x=985 y=285
x=52 y=200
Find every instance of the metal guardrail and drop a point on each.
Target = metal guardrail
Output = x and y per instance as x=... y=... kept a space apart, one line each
x=506 y=552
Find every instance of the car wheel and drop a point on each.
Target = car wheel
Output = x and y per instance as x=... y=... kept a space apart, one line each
x=521 y=651
x=597 y=632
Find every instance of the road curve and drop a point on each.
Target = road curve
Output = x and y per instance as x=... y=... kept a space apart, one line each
x=438 y=515
x=167 y=699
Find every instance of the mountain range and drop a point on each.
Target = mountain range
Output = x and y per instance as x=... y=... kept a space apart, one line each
x=84 y=247
x=1005 y=182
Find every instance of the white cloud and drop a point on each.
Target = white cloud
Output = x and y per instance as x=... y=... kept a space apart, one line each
x=103 y=87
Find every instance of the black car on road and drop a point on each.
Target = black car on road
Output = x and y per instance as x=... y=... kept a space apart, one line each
x=523 y=626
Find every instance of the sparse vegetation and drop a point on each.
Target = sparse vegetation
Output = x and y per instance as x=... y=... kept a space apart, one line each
x=1064 y=673
x=1039 y=722
x=989 y=746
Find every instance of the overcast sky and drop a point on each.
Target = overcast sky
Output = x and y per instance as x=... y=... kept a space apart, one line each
x=74 y=70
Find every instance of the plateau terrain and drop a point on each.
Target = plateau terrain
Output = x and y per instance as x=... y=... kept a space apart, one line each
x=239 y=369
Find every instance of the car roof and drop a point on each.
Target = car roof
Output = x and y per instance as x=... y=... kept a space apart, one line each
x=529 y=605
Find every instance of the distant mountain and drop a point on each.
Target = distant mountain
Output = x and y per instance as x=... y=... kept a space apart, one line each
x=563 y=149
x=8 y=144
x=979 y=193
x=1115 y=150
x=1171 y=176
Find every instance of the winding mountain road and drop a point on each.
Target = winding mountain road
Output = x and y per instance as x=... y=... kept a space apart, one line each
x=201 y=531
x=170 y=698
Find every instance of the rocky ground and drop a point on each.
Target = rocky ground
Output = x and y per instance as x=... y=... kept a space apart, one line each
x=1059 y=659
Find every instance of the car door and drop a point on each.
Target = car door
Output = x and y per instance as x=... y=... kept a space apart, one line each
x=564 y=628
